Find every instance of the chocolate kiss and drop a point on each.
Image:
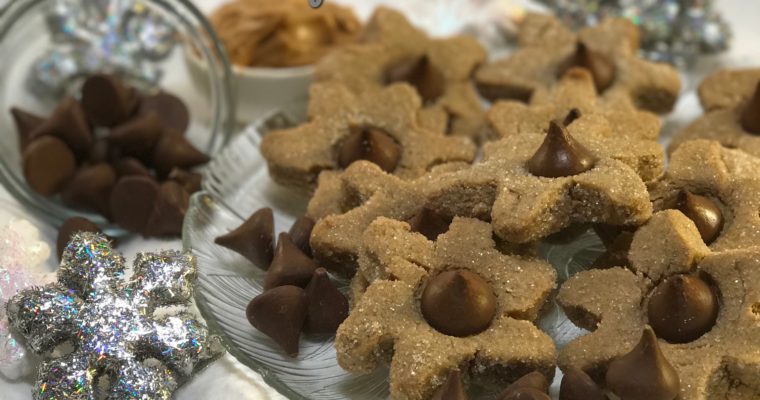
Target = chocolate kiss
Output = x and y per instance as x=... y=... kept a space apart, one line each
x=526 y=393
x=136 y=137
x=70 y=227
x=132 y=201
x=90 y=188
x=420 y=73
x=328 y=307
x=371 y=144
x=452 y=388
x=534 y=380
x=705 y=213
x=169 y=212
x=48 y=164
x=429 y=223
x=602 y=68
x=175 y=151
x=191 y=181
x=130 y=166
x=280 y=314
x=458 y=303
x=107 y=100
x=750 y=118
x=577 y=385
x=26 y=123
x=682 y=308
x=560 y=155
x=254 y=239
x=290 y=265
x=644 y=373
x=69 y=124
x=171 y=109
x=300 y=232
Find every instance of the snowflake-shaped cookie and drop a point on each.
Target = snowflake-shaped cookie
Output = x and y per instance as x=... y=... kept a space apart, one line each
x=338 y=118
x=575 y=90
x=388 y=324
x=726 y=97
x=111 y=324
x=729 y=177
x=723 y=362
x=440 y=69
x=546 y=45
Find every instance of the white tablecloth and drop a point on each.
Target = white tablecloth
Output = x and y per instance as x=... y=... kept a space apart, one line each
x=228 y=379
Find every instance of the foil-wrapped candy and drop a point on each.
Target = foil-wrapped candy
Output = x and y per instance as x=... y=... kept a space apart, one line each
x=112 y=326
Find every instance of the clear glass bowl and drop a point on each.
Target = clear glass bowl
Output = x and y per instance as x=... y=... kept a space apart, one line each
x=236 y=184
x=24 y=37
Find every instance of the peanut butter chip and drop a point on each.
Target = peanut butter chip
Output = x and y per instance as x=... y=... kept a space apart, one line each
x=371 y=144
x=458 y=303
x=560 y=155
x=682 y=308
x=706 y=215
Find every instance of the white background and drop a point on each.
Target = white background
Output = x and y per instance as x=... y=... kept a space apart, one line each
x=227 y=378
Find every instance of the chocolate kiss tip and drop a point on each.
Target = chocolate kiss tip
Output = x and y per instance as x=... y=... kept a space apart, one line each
x=705 y=214
x=290 y=266
x=253 y=239
x=560 y=155
x=452 y=388
x=577 y=385
x=750 y=117
x=601 y=67
x=25 y=123
x=280 y=314
x=682 y=309
x=571 y=116
x=643 y=373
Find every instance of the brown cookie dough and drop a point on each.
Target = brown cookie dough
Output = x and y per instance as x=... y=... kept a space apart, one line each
x=609 y=49
x=722 y=361
x=440 y=69
x=731 y=100
x=395 y=319
x=344 y=126
x=574 y=90
x=726 y=177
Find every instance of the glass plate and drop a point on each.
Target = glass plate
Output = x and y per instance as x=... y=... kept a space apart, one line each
x=236 y=184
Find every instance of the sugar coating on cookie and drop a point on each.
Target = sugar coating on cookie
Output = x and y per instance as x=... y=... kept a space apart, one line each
x=342 y=125
x=726 y=176
x=731 y=99
x=547 y=48
x=721 y=363
x=575 y=90
x=393 y=50
x=387 y=324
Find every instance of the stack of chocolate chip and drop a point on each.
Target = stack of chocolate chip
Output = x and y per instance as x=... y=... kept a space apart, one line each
x=117 y=152
x=298 y=295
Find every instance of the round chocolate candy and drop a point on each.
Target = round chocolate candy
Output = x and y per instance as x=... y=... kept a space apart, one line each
x=458 y=303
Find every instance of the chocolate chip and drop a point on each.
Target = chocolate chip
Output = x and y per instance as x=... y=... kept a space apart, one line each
x=750 y=118
x=535 y=380
x=69 y=124
x=560 y=155
x=132 y=201
x=577 y=385
x=26 y=123
x=602 y=68
x=130 y=166
x=420 y=73
x=429 y=223
x=175 y=151
x=451 y=389
x=280 y=314
x=682 y=308
x=90 y=188
x=48 y=164
x=137 y=137
x=458 y=303
x=328 y=307
x=290 y=266
x=300 y=232
x=705 y=213
x=371 y=144
x=171 y=109
x=644 y=373
x=169 y=212
x=526 y=393
x=191 y=181
x=69 y=228
x=107 y=100
x=254 y=239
